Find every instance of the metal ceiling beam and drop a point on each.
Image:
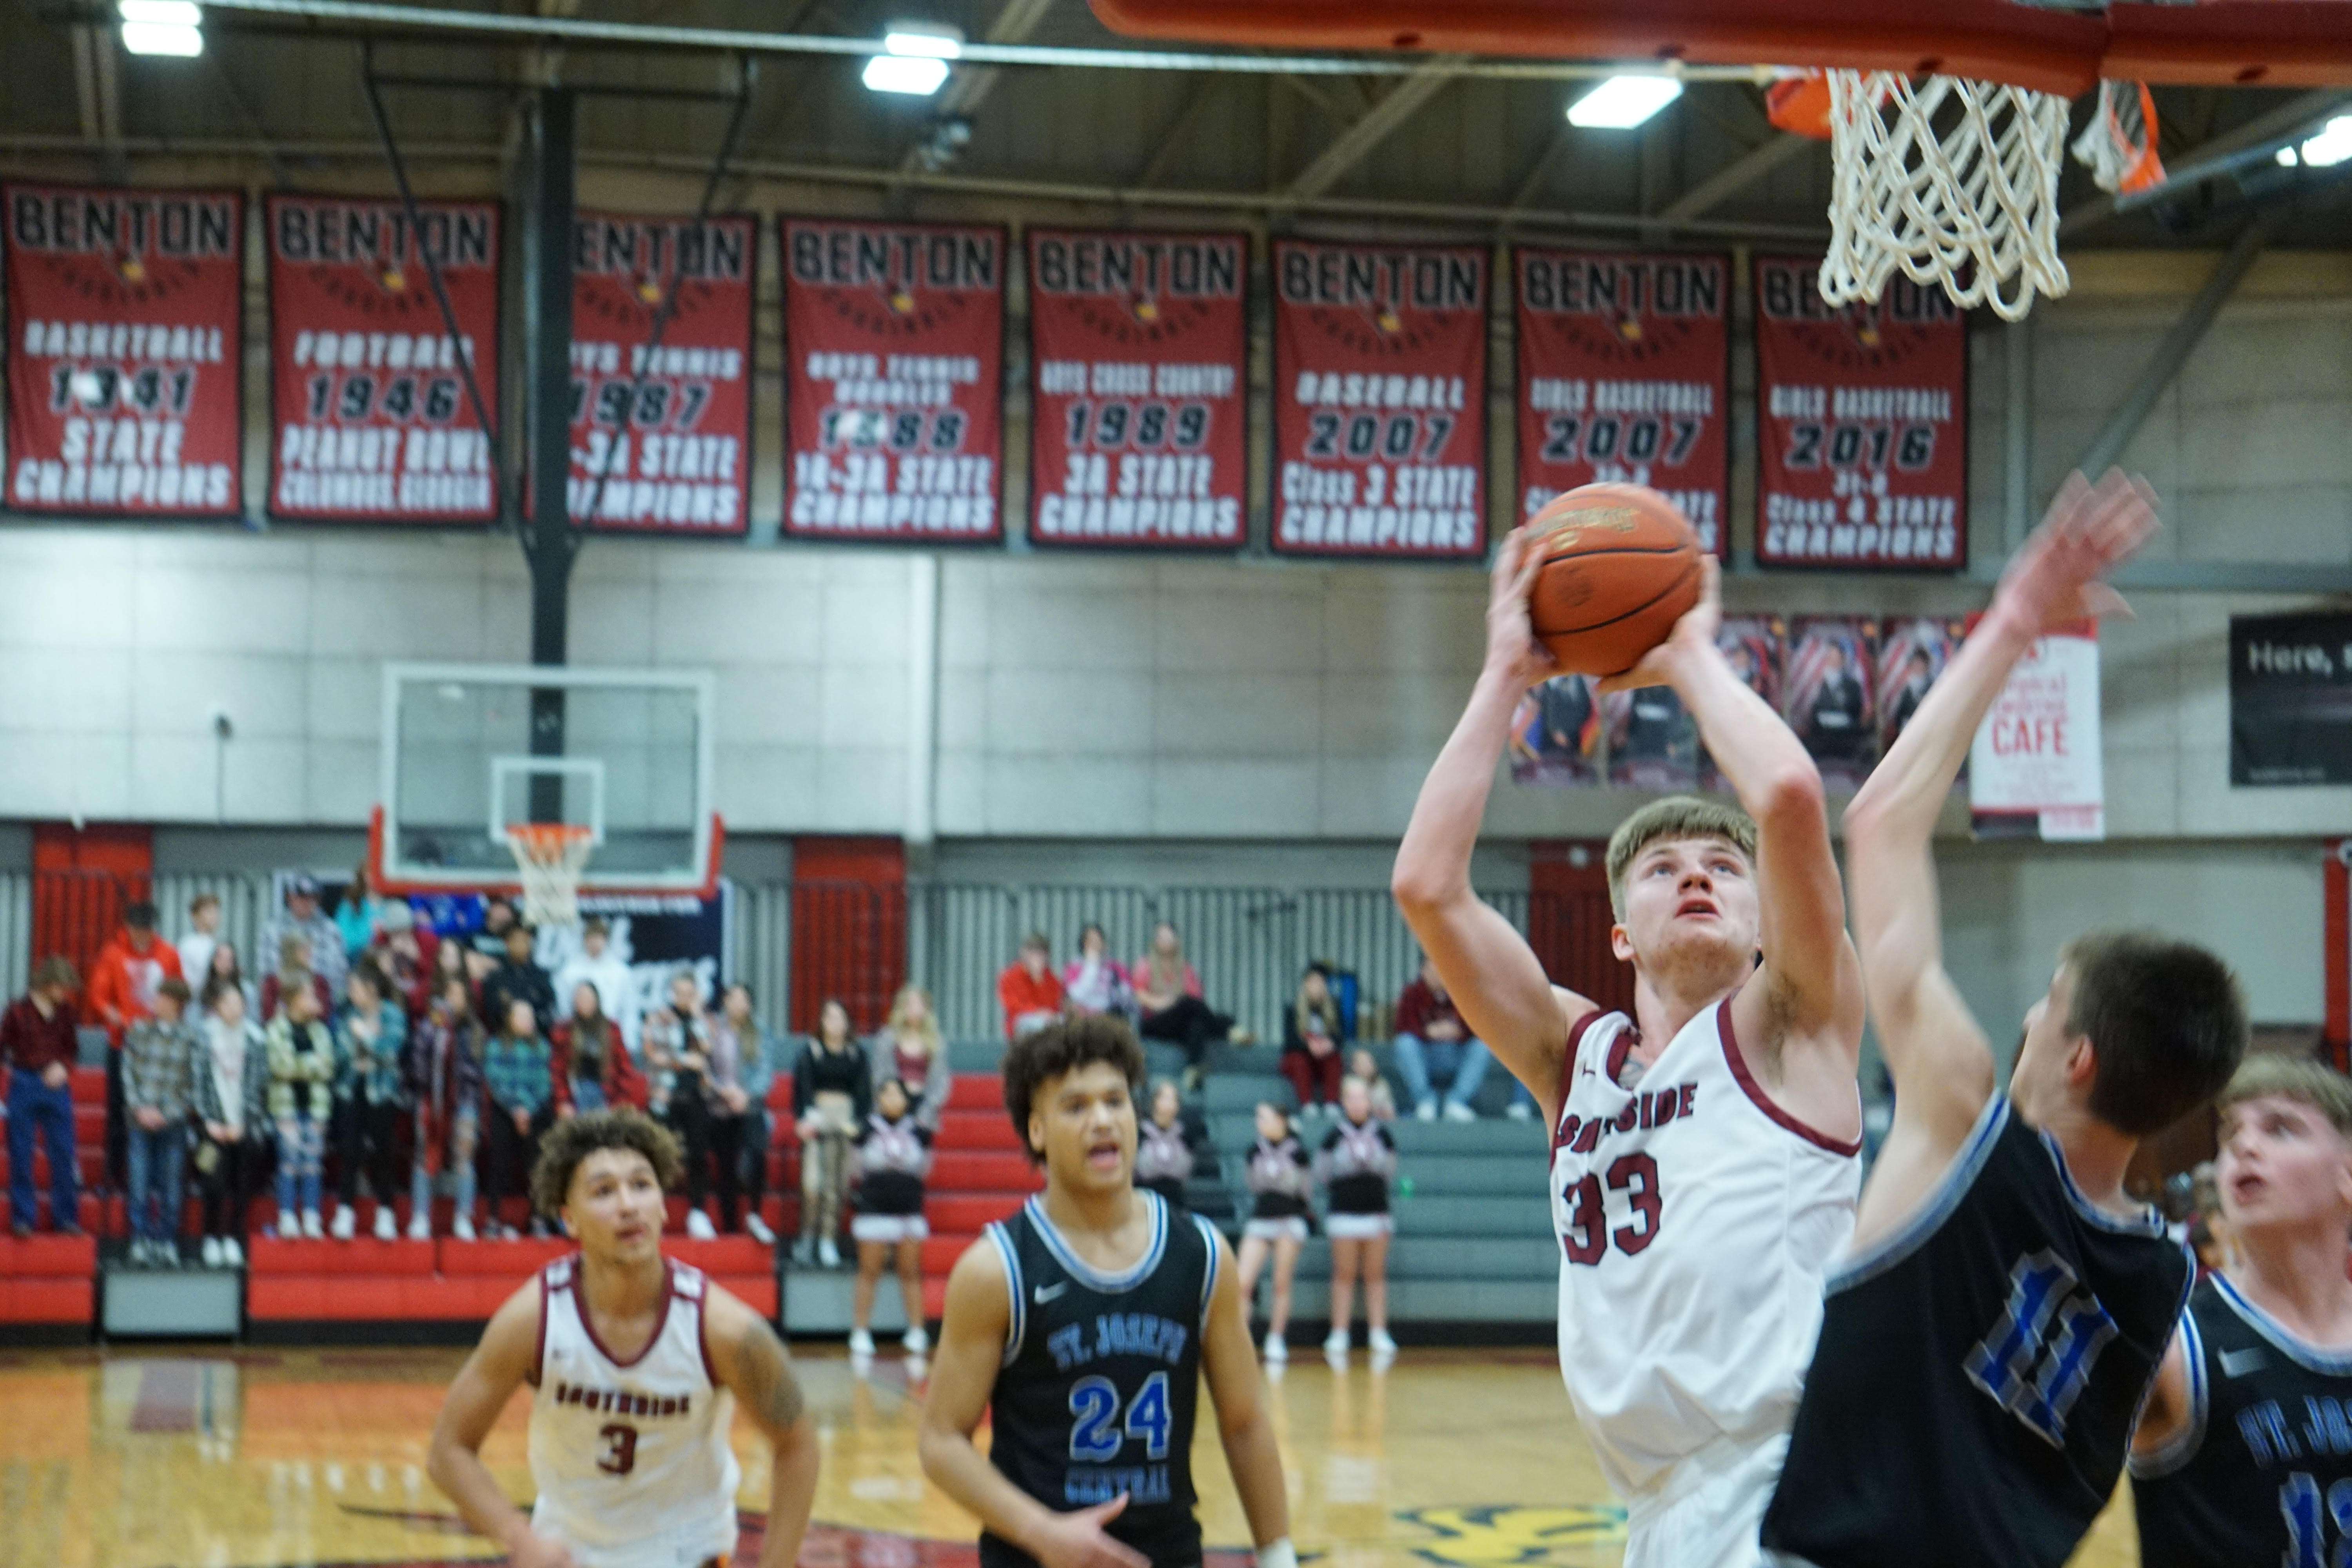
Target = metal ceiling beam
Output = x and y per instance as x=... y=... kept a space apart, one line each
x=1171 y=139
x=2275 y=125
x=1351 y=146
x=1735 y=176
x=968 y=87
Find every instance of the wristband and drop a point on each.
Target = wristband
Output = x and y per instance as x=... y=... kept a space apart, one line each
x=1277 y=1554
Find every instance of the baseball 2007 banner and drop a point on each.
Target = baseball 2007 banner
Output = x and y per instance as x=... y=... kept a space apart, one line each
x=1379 y=400
x=676 y=457
x=894 y=356
x=1861 y=424
x=1136 y=353
x=1625 y=373
x=370 y=421
x=124 y=361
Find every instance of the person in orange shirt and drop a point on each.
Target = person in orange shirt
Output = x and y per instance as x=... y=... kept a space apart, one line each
x=122 y=992
x=1029 y=990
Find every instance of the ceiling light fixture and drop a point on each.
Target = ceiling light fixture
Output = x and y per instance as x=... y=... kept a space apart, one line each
x=170 y=28
x=1623 y=103
x=917 y=63
x=2332 y=146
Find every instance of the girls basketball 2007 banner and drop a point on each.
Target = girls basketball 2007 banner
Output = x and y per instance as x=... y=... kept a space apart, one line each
x=125 y=391
x=1861 y=425
x=894 y=362
x=1137 y=356
x=1379 y=400
x=675 y=456
x=370 y=420
x=1624 y=373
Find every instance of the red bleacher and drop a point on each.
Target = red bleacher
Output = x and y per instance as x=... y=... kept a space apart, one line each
x=979 y=1174
x=366 y=1280
x=49 y=1280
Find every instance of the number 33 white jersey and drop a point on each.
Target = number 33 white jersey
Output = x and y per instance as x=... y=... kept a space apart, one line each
x=1695 y=1221
x=631 y=1458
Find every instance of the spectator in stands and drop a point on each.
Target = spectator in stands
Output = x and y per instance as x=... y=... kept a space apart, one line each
x=909 y=1049
x=302 y=1104
x=1365 y=1068
x=122 y=992
x=518 y=977
x=442 y=1066
x=1435 y=1050
x=371 y=1038
x=1163 y=1151
x=159 y=1057
x=232 y=1107
x=226 y=968
x=489 y=945
x=37 y=1044
x=1028 y=990
x=1355 y=1163
x=1094 y=982
x=677 y=1060
x=724 y=1110
x=295 y=972
x=1311 y=1055
x=595 y=964
x=1167 y=996
x=359 y=915
x=519 y=1076
x=591 y=1064
x=1280 y=1178
x=195 y=949
x=736 y=1036
x=453 y=960
x=832 y=1095
x=894 y=1156
x=404 y=951
x=302 y=914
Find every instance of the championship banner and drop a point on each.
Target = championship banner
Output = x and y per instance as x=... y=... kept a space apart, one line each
x=1136 y=349
x=125 y=314
x=1624 y=375
x=894 y=351
x=678 y=461
x=2291 y=699
x=370 y=421
x=1862 y=426
x=2034 y=769
x=1379 y=400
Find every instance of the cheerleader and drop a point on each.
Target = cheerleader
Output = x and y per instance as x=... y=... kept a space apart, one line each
x=1163 y=1157
x=894 y=1155
x=1355 y=1163
x=1280 y=1177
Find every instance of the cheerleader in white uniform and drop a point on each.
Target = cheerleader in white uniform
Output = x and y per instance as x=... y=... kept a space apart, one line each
x=1281 y=1178
x=894 y=1156
x=1355 y=1165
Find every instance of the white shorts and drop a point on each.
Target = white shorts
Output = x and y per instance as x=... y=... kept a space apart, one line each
x=1713 y=1511
x=1357 y=1226
x=1291 y=1229
x=888 y=1227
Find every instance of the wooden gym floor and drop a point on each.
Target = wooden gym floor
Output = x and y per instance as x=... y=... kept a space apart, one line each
x=202 y=1457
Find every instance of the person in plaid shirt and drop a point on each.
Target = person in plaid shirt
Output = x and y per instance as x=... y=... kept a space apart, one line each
x=443 y=1066
x=518 y=1072
x=369 y=1031
x=159 y=1059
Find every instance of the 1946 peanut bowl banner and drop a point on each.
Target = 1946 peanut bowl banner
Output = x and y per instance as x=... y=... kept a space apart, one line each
x=894 y=370
x=125 y=391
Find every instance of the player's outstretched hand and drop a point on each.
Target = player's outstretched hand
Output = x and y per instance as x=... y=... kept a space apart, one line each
x=2059 y=575
x=1077 y=1540
x=1693 y=634
x=536 y=1550
x=1511 y=647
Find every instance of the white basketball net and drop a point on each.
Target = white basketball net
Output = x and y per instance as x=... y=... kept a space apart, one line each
x=1955 y=182
x=551 y=855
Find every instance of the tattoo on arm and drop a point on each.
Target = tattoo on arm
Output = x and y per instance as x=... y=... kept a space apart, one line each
x=764 y=1373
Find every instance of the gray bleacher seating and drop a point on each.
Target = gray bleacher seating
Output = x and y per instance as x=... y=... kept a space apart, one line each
x=1225 y=1092
x=975 y=1055
x=1162 y=1061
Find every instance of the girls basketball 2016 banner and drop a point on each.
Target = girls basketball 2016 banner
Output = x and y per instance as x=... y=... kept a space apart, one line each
x=894 y=350
x=1625 y=373
x=1379 y=400
x=1862 y=426
x=1136 y=353
x=370 y=421
x=677 y=458
x=2035 y=768
x=124 y=361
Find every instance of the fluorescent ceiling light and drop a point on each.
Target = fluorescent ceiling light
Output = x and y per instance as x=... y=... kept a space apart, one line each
x=162 y=38
x=2287 y=158
x=2332 y=146
x=917 y=74
x=1623 y=103
x=168 y=13
x=924 y=40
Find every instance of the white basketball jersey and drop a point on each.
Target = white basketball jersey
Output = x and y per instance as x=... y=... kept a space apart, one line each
x=1696 y=1220
x=631 y=1458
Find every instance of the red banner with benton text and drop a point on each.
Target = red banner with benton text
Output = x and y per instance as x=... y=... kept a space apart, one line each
x=124 y=359
x=1379 y=400
x=1138 y=345
x=1861 y=424
x=1624 y=373
x=370 y=421
x=894 y=368
x=678 y=460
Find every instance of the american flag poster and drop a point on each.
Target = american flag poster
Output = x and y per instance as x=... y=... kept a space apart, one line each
x=1756 y=647
x=1828 y=702
x=1912 y=653
x=1556 y=733
x=1653 y=741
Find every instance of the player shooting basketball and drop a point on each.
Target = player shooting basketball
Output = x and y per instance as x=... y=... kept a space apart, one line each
x=1704 y=1154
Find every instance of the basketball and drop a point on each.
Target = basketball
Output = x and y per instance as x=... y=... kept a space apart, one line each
x=1621 y=565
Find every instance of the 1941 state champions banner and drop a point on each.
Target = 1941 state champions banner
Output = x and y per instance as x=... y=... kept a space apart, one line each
x=370 y=420
x=1861 y=425
x=1137 y=356
x=124 y=356
x=1624 y=371
x=1379 y=400
x=894 y=366
x=677 y=459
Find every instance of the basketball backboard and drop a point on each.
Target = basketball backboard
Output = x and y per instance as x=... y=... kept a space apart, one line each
x=472 y=749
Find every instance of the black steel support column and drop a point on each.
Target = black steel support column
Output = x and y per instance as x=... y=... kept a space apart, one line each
x=549 y=543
